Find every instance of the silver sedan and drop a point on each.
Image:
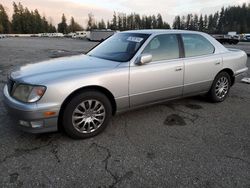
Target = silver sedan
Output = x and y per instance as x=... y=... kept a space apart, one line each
x=128 y=70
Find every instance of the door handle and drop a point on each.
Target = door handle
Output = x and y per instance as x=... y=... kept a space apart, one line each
x=217 y=63
x=178 y=68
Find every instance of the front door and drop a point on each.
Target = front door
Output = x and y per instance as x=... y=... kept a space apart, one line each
x=160 y=79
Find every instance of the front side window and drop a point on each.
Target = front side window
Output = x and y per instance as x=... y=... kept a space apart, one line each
x=196 y=45
x=163 y=47
x=120 y=47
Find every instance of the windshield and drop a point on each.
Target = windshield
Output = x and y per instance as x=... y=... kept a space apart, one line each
x=120 y=47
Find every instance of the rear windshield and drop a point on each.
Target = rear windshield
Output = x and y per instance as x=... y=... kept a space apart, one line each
x=120 y=47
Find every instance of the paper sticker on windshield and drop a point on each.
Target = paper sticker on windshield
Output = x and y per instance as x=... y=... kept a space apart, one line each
x=135 y=39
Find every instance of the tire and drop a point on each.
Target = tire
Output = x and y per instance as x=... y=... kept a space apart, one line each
x=220 y=87
x=86 y=115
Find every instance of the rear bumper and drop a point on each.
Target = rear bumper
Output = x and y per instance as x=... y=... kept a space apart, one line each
x=29 y=117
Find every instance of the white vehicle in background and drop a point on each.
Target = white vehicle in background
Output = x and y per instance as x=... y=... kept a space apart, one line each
x=69 y=35
x=245 y=37
x=43 y=34
x=50 y=35
x=2 y=36
x=100 y=35
x=55 y=35
x=232 y=33
x=80 y=35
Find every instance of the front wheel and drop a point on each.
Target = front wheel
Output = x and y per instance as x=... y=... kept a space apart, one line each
x=87 y=115
x=220 y=87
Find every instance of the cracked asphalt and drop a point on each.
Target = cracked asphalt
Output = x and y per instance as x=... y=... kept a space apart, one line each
x=181 y=143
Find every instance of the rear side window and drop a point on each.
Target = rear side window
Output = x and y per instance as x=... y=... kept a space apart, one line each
x=196 y=45
x=163 y=47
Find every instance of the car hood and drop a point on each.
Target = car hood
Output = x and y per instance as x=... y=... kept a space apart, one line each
x=61 y=68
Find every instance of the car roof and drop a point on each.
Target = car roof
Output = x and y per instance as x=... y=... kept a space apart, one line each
x=159 y=31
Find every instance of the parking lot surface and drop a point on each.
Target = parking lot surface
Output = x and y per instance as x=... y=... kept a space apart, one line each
x=183 y=143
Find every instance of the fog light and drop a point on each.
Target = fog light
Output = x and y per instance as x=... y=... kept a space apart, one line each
x=36 y=124
x=24 y=123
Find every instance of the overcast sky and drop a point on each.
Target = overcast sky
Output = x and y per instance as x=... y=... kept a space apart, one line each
x=79 y=9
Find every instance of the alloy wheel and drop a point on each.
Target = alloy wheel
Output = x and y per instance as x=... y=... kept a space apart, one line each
x=88 y=116
x=222 y=87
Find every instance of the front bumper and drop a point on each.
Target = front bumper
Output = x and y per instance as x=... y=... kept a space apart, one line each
x=30 y=117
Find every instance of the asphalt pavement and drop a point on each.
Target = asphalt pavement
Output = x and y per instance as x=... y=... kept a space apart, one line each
x=183 y=143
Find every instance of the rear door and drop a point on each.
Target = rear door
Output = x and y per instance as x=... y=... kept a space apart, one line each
x=201 y=64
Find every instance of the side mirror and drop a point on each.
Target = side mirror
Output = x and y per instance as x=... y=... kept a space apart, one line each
x=143 y=59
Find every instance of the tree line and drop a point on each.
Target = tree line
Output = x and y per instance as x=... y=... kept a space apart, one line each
x=64 y=28
x=25 y=21
x=122 y=22
x=233 y=18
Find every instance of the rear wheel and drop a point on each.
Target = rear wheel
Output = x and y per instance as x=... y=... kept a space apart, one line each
x=220 y=87
x=87 y=114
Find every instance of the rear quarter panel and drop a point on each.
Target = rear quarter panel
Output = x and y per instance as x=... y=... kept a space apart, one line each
x=235 y=60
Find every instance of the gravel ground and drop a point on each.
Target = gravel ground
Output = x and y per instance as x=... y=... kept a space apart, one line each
x=182 y=143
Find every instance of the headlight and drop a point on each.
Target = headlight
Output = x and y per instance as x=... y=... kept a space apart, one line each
x=28 y=93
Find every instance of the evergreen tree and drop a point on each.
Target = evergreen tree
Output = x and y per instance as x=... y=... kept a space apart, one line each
x=201 y=23
x=166 y=25
x=17 y=19
x=137 y=21
x=177 y=23
x=5 y=26
x=119 y=22
x=205 y=25
x=74 y=26
x=124 y=22
x=196 y=23
x=154 y=22
x=45 y=25
x=62 y=27
x=130 y=22
x=210 y=24
x=183 y=22
x=108 y=25
x=71 y=25
x=51 y=28
x=91 y=22
x=28 y=24
x=148 y=22
x=143 y=22
x=101 y=25
x=188 y=21
x=159 y=21
x=37 y=22
x=114 y=22
x=94 y=26
x=221 y=21
x=215 y=22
